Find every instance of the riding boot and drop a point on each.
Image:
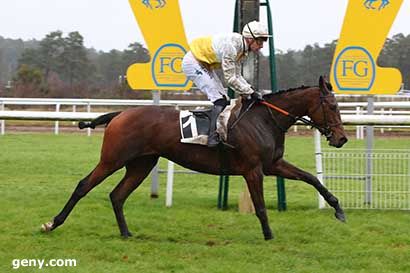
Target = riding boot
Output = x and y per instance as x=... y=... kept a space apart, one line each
x=213 y=138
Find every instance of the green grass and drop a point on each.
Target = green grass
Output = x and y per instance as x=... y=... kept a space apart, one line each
x=39 y=172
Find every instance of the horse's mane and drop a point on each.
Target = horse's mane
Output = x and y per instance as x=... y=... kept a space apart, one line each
x=302 y=87
x=280 y=92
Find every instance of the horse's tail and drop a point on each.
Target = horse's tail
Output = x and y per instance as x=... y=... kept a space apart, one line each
x=103 y=119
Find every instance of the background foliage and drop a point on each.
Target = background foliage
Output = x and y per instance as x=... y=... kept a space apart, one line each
x=60 y=66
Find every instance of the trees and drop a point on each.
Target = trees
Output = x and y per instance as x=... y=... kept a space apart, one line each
x=115 y=63
x=73 y=63
x=28 y=81
x=302 y=67
x=28 y=75
x=110 y=66
x=49 y=53
x=136 y=53
x=65 y=64
x=65 y=56
x=61 y=60
x=288 y=69
x=10 y=50
x=396 y=53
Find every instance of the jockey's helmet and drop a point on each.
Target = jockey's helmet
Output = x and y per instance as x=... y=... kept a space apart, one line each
x=255 y=30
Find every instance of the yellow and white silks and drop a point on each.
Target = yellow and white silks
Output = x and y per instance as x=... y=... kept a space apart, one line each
x=208 y=53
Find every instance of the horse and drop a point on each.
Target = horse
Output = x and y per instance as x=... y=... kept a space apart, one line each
x=137 y=137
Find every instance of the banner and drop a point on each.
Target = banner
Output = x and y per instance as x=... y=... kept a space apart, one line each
x=365 y=28
x=161 y=24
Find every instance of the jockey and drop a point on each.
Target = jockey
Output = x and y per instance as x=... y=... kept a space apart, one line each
x=226 y=52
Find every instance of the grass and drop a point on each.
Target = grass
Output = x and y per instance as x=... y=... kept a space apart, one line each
x=39 y=172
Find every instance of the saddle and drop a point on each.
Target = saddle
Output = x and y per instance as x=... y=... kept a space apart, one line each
x=195 y=124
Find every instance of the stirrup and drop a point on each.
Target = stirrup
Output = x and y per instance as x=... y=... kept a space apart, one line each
x=227 y=145
x=213 y=140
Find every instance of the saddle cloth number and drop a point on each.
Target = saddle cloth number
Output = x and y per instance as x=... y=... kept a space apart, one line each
x=188 y=125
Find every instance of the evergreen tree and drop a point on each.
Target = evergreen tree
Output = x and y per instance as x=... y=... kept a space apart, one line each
x=51 y=48
x=73 y=63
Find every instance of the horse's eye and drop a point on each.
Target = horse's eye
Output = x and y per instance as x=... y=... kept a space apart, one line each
x=333 y=107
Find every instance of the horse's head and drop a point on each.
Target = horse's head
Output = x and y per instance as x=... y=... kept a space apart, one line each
x=325 y=113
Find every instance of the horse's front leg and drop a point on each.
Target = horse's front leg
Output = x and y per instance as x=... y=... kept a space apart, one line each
x=254 y=180
x=287 y=170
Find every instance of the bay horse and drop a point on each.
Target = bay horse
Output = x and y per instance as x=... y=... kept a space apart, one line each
x=137 y=137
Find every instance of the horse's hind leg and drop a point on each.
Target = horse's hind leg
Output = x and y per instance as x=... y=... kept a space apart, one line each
x=137 y=170
x=287 y=170
x=100 y=172
x=254 y=180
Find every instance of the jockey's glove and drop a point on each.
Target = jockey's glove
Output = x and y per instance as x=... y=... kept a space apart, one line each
x=256 y=96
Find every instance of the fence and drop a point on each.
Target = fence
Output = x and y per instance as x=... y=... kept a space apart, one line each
x=57 y=115
x=57 y=105
x=388 y=108
x=384 y=184
x=366 y=179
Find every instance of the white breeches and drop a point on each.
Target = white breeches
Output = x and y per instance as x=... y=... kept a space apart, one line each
x=207 y=81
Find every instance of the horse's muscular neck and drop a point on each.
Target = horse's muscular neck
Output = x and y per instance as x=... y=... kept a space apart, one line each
x=296 y=102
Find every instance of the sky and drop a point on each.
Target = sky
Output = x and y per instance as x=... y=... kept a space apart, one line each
x=110 y=24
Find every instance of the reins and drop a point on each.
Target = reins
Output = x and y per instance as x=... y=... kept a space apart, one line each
x=323 y=130
x=286 y=113
x=242 y=114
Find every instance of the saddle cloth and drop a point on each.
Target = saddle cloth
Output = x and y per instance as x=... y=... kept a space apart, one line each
x=195 y=125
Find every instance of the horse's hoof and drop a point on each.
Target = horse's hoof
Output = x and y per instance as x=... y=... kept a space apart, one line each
x=340 y=216
x=126 y=235
x=268 y=236
x=47 y=227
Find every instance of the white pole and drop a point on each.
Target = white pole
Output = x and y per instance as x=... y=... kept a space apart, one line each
x=88 y=111
x=319 y=167
x=2 y=123
x=369 y=151
x=74 y=110
x=56 y=122
x=156 y=98
x=358 y=128
x=170 y=184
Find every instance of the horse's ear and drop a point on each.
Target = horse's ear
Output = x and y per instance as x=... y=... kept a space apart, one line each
x=329 y=86
x=323 y=85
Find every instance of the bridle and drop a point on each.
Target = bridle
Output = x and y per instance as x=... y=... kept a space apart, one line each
x=327 y=126
x=324 y=129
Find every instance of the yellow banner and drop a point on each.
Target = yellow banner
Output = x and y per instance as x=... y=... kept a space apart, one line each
x=365 y=28
x=161 y=24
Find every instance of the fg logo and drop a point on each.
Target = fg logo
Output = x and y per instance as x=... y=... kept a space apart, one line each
x=354 y=69
x=167 y=66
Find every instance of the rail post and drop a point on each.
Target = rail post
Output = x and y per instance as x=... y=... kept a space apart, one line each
x=156 y=97
x=2 y=122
